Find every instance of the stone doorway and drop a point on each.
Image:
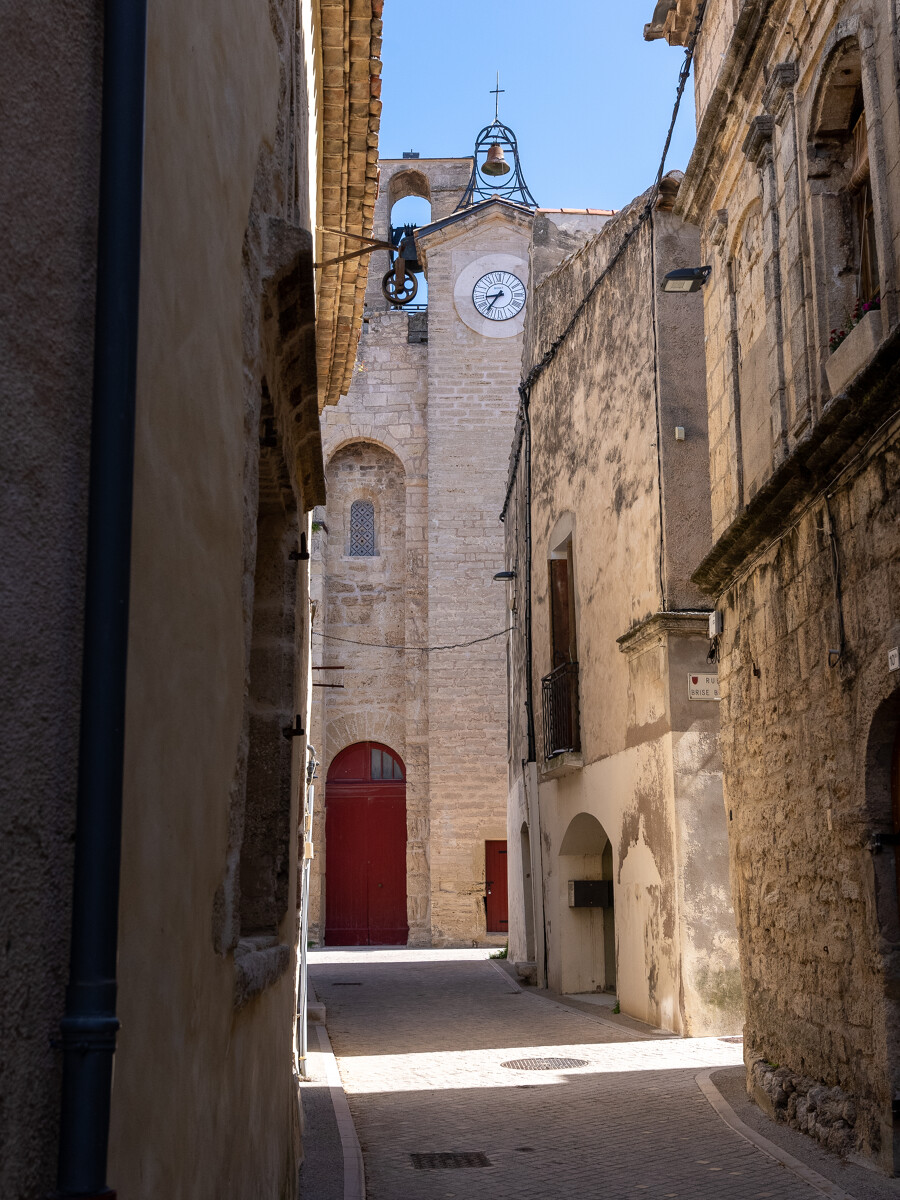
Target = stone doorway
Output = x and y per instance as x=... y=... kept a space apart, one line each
x=365 y=832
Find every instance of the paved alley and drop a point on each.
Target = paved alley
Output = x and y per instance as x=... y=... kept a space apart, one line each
x=421 y=1039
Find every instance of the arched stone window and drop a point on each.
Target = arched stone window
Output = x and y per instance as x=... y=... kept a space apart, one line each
x=844 y=208
x=362 y=529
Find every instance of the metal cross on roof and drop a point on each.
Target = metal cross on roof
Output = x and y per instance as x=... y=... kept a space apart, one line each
x=495 y=92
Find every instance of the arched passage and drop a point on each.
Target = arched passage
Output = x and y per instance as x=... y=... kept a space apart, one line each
x=365 y=836
x=587 y=927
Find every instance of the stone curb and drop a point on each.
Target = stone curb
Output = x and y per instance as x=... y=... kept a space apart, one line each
x=733 y=1121
x=354 y=1173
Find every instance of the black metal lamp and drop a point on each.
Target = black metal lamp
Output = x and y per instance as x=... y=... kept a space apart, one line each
x=686 y=279
x=505 y=575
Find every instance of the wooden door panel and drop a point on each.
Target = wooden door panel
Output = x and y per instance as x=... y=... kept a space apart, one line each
x=365 y=846
x=386 y=866
x=496 y=894
x=347 y=922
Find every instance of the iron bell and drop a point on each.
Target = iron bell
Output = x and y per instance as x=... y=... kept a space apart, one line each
x=495 y=163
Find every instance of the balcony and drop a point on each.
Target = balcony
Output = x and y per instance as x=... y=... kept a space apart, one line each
x=559 y=695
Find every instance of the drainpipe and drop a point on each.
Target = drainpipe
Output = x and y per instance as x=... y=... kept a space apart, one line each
x=525 y=394
x=89 y=1026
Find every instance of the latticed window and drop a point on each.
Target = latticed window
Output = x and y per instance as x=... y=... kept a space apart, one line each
x=362 y=528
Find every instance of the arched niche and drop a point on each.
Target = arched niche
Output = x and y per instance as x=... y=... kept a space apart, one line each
x=587 y=935
x=366 y=473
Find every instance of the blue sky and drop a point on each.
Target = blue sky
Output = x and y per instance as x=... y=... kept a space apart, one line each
x=588 y=99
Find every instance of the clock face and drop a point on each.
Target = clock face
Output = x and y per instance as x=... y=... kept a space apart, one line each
x=499 y=295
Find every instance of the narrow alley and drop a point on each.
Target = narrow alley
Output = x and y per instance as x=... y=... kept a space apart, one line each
x=417 y=1032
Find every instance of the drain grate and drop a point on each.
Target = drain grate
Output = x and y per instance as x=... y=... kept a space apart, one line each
x=544 y=1064
x=444 y=1162
x=739 y=1039
x=344 y=983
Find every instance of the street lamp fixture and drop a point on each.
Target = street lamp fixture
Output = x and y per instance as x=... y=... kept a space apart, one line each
x=505 y=575
x=686 y=279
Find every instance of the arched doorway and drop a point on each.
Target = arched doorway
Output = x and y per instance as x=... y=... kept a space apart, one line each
x=365 y=839
x=587 y=924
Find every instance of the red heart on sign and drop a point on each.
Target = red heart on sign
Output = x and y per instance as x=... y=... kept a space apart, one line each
x=694 y=678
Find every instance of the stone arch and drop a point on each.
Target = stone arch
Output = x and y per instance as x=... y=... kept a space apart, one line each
x=851 y=243
x=355 y=727
x=408 y=183
x=882 y=798
x=587 y=935
x=839 y=78
x=352 y=433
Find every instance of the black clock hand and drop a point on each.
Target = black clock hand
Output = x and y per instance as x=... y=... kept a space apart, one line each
x=494 y=299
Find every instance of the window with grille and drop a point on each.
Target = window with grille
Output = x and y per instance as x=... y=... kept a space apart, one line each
x=362 y=528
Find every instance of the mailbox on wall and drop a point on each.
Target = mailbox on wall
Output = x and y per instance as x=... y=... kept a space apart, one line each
x=590 y=893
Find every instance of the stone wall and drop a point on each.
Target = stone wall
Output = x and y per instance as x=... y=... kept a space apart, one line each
x=804 y=565
x=472 y=400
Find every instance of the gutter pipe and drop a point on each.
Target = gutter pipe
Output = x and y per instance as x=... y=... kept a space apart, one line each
x=90 y=1024
x=525 y=393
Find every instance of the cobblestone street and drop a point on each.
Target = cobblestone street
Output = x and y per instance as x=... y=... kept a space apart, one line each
x=421 y=1038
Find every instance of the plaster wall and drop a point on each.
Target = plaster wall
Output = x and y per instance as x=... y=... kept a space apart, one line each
x=194 y=1066
x=606 y=466
x=205 y=1101
x=51 y=83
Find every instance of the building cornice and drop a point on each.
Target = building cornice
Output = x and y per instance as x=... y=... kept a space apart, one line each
x=815 y=463
x=659 y=625
x=350 y=35
x=704 y=170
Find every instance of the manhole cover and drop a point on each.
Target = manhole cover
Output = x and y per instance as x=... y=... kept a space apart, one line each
x=739 y=1040
x=544 y=1064
x=443 y=1162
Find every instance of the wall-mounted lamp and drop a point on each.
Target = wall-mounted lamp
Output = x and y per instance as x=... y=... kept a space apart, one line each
x=505 y=575
x=679 y=433
x=686 y=279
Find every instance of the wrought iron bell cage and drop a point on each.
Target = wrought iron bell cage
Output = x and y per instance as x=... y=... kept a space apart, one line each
x=507 y=187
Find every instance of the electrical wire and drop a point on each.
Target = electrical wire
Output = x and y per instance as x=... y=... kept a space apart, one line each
x=330 y=637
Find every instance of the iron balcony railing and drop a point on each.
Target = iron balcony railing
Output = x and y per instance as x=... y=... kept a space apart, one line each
x=559 y=693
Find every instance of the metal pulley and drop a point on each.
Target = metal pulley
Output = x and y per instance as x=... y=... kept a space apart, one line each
x=399 y=284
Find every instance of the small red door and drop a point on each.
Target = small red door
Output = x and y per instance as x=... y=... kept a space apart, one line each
x=496 y=898
x=365 y=841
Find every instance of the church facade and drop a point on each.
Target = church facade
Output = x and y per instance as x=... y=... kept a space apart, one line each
x=409 y=646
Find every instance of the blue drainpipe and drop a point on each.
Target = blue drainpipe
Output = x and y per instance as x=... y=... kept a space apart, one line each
x=90 y=1024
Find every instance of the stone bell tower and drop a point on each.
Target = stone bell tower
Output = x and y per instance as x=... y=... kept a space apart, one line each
x=407 y=642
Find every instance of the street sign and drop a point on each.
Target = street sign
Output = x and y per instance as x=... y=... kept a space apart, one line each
x=703 y=686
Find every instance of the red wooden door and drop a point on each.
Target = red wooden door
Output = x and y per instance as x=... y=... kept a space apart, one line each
x=365 y=841
x=495 y=890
